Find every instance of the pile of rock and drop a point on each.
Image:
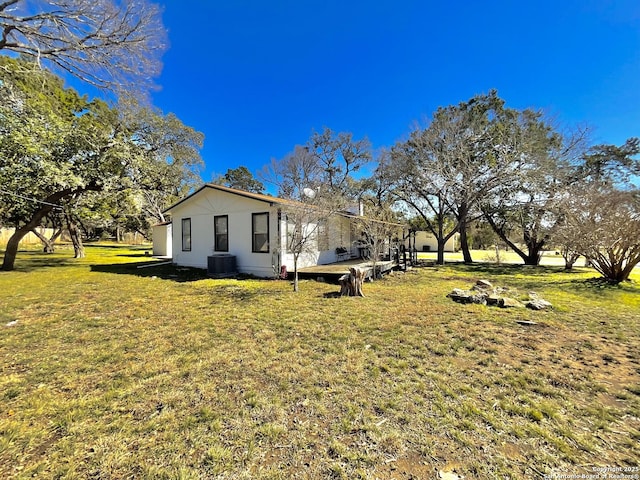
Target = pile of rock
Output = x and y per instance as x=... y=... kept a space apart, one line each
x=484 y=293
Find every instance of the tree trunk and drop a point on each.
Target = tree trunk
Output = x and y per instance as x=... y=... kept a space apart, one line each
x=76 y=238
x=295 y=273
x=47 y=244
x=464 y=242
x=351 y=283
x=12 y=248
x=441 y=243
x=534 y=247
x=12 y=245
x=11 y=251
x=532 y=257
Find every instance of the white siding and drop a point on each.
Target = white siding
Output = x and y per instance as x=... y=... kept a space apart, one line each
x=162 y=240
x=428 y=240
x=338 y=234
x=201 y=208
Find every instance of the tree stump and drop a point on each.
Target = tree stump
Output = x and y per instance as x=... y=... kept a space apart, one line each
x=351 y=283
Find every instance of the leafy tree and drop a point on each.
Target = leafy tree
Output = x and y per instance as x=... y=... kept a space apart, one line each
x=522 y=209
x=242 y=179
x=112 y=44
x=465 y=153
x=611 y=164
x=56 y=145
x=421 y=189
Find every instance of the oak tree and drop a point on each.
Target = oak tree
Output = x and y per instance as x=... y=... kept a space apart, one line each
x=113 y=44
x=56 y=145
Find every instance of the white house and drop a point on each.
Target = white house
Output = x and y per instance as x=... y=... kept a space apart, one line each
x=426 y=242
x=162 y=239
x=217 y=220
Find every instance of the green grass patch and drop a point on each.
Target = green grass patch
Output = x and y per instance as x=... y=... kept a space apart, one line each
x=115 y=371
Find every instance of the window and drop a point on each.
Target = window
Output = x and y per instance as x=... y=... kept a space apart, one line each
x=260 y=232
x=221 y=233
x=323 y=236
x=186 y=234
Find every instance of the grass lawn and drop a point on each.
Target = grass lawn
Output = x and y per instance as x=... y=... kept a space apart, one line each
x=108 y=371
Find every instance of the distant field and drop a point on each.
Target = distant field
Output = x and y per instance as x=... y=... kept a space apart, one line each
x=549 y=258
x=109 y=371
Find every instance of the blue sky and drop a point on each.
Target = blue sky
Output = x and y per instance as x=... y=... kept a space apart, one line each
x=257 y=77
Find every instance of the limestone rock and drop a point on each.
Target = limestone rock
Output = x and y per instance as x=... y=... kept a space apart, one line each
x=538 y=304
x=493 y=299
x=467 y=296
x=483 y=285
x=507 y=302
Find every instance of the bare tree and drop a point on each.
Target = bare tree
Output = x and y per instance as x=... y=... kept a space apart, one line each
x=599 y=215
x=309 y=202
x=378 y=221
x=379 y=229
x=338 y=155
x=603 y=224
x=112 y=44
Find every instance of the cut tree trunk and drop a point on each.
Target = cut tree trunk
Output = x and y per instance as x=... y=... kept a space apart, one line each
x=351 y=283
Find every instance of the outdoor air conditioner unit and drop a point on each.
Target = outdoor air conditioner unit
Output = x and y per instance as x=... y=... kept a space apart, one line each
x=221 y=265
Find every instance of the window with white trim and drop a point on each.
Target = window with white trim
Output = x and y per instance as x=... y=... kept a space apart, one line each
x=260 y=232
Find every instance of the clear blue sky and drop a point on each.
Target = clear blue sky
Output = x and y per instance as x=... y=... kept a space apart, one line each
x=257 y=77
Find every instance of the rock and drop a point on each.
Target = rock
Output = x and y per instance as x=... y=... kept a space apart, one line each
x=526 y=322
x=538 y=304
x=479 y=298
x=493 y=299
x=484 y=293
x=466 y=296
x=449 y=475
x=459 y=295
x=507 y=302
x=484 y=284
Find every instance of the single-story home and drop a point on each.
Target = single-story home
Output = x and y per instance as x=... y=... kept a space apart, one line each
x=218 y=221
x=425 y=241
x=162 y=239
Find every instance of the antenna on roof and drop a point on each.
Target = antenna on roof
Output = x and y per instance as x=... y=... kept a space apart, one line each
x=309 y=192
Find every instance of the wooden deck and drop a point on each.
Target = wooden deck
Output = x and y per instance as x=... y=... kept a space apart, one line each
x=333 y=271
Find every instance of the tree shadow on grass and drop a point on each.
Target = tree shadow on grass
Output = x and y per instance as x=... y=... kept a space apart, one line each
x=601 y=283
x=150 y=269
x=30 y=260
x=533 y=277
x=493 y=269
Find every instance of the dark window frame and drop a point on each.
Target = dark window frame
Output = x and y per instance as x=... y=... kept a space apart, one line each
x=218 y=236
x=254 y=248
x=186 y=237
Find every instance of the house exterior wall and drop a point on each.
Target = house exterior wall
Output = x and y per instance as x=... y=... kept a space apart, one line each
x=427 y=239
x=335 y=232
x=162 y=240
x=201 y=208
x=306 y=258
